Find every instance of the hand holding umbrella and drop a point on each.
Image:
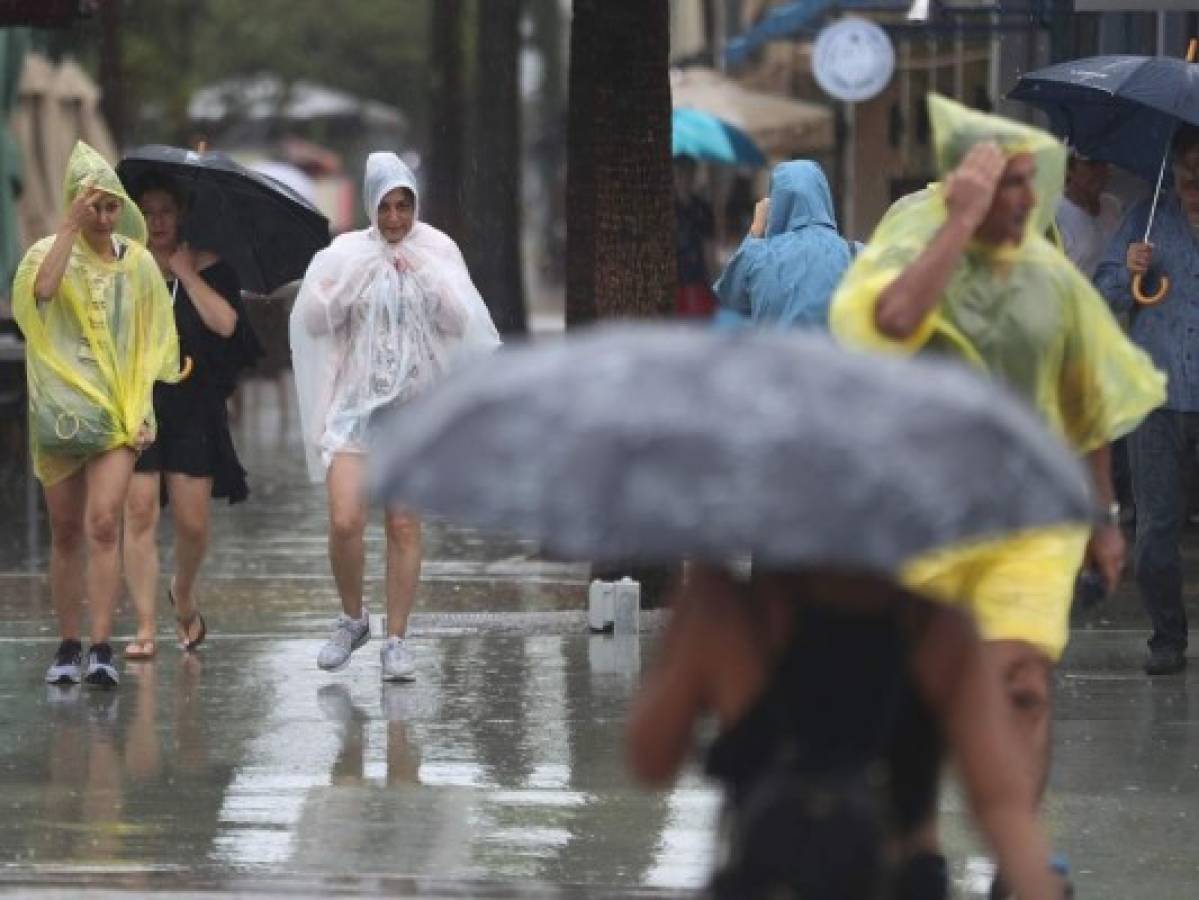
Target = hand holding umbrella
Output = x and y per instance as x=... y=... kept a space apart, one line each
x=1163 y=287
x=1116 y=109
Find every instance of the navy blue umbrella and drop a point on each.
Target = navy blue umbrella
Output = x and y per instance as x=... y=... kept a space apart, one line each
x=1119 y=109
x=1122 y=110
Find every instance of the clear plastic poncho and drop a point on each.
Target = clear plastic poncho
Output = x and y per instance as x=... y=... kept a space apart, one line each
x=94 y=349
x=1022 y=312
x=377 y=324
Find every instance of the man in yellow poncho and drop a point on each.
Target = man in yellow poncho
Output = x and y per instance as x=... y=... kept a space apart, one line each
x=99 y=332
x=962 y=269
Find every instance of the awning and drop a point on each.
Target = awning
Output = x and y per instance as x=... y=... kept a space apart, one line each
x=781 y=126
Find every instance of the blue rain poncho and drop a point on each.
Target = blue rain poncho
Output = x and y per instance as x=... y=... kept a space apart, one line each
x=787 y=278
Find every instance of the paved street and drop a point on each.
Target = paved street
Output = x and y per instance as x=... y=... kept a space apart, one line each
x=245 y=770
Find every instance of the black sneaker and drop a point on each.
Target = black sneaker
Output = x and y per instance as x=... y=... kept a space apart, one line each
x=1165 y=661
x=100 y=670
x=66 y=666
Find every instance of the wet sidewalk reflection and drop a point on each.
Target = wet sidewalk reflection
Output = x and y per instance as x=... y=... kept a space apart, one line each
x=501 y=764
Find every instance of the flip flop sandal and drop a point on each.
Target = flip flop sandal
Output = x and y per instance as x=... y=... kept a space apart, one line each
x=186 y=642
x=141 y=649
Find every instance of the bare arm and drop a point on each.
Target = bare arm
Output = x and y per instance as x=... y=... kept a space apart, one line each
x=54 y=266
x=663 y=717
x=214 y=310
x=916 y=292
x=967 y=696
x=713 y=658
x=1107 y=547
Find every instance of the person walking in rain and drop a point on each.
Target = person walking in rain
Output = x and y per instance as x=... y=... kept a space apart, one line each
x=962 y=269
x=99 y=332
x=381 y=315
x=192 y=457
x=1087 y=217
x=785 y=271
x=756 y=655
x=1163 y=448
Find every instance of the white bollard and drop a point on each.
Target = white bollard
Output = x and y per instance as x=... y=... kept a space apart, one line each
x=626 y=606
x=599 y=606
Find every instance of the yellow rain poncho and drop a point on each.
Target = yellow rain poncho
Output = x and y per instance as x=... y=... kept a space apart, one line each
x=94 y=349
x=1027 y=316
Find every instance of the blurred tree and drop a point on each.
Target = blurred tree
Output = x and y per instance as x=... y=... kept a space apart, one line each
x=547 y=133
x=443 y=202
x=112 y=77
x=620 y=208
x=493 y=248
x=620 y=227
x=376 y=49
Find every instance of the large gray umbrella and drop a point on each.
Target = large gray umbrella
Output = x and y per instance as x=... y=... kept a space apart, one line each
x=660 y=442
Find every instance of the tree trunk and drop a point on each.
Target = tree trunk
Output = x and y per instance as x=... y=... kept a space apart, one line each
x=443 y=201
x=620 y=228
x=620 y=204
x=494 y=249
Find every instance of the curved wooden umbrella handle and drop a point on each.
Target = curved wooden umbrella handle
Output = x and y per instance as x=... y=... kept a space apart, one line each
x=1138 y=292
x=186 y=369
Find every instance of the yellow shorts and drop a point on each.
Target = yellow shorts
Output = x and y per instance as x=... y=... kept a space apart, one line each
x=1019 y=588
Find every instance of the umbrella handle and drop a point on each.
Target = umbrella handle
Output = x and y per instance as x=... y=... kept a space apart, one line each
x=1138 y=292
x=1163 y=287
x=186 y=369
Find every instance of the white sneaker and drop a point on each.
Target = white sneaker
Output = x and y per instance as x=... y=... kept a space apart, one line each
x=348 y=636
x=399 y=664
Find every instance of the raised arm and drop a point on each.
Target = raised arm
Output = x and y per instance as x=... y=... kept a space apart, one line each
x=54 y=265
x=916 y=292
x=217 y=314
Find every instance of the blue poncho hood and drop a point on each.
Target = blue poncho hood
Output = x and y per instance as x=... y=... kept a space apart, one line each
x=787 y=278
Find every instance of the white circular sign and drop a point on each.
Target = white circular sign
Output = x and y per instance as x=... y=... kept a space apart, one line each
x=853 y=59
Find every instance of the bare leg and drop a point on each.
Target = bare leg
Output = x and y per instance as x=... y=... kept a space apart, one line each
x=404 y=547
x=65 y=503
x=1026 y=673
x=107 y=478
x=141 y=550
x=345 y=483
x=189 y=505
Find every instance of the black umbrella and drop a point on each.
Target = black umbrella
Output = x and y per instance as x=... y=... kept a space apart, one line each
x=260 y=226
x=656 y=443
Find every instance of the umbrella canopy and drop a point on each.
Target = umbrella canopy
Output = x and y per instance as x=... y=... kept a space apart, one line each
x=782 y=127
x=1120 y=109
x=665 y=442
x=701 y=135
x=260 y=226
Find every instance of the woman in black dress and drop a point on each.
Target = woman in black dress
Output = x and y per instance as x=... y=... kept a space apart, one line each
x=193 y=457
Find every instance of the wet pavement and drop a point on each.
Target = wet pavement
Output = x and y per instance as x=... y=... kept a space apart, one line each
x=244 y=770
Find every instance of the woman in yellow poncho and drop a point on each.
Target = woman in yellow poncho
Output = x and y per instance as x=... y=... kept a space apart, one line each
x=99 y=332
x=962 y=269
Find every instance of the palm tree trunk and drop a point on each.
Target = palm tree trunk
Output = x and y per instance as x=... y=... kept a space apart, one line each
x=620 y=228
x=620 y=206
